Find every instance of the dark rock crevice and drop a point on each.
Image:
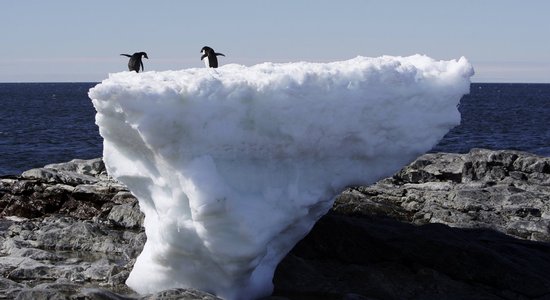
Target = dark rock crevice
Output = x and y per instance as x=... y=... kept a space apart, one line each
x=395 y=260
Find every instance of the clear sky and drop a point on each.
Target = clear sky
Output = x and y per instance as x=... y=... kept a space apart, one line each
x=69 y=40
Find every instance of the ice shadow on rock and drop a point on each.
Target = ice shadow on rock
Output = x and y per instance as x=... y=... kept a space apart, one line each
x=370 y=257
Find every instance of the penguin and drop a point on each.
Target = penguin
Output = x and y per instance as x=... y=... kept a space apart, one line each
x=135 y=61
x=211 y=60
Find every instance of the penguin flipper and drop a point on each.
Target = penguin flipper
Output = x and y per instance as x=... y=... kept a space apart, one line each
x=203 y=56
x=142 y=68
x=128 y=55
x=220 y=54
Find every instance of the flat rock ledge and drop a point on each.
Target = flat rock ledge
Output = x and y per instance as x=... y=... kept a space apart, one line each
x=447 y=226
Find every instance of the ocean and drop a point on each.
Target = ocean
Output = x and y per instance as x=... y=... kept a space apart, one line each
x=44 y=123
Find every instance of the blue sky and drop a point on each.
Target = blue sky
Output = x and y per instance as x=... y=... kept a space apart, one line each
x=67 y=40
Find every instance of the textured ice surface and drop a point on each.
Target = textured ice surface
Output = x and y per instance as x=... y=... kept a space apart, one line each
x=233 y=166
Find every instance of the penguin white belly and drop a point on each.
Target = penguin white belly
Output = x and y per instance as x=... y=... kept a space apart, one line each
x=206 y=62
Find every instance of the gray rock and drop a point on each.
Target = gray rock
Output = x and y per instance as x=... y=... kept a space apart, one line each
x=101 y=294
x=65 y=291
x=180 y=294
x=126 y=215
x=68 y=291
x=508 y=191
x=79 y=188
x=18 y=268
x=73 y=253
x=9 y=288
x=101 y=270
x=91 y=167
x=124 y=197
x=56 y=176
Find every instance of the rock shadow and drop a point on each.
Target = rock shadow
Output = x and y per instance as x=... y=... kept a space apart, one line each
x=370 y=257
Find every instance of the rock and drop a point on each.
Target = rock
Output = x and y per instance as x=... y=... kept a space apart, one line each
x=54 y=176
x=24 y=268
x=180 y=294
x=508 y=191
x=9 y=288
x=101 y=294
x=66 y=291
x=123 y=197
x=91 y=167
x=79 y=188
x=73 y=253
x=126 y=215
x=100 y=270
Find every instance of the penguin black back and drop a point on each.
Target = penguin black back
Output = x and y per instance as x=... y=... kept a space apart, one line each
x=211 y=60
x=135 y=62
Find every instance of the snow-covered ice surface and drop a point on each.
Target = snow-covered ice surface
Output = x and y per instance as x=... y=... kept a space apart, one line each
x=233 y=166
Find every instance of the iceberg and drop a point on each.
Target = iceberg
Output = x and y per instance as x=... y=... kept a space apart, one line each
x=233 y=166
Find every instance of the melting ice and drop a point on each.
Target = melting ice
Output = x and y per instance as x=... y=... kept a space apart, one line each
x=233 y=166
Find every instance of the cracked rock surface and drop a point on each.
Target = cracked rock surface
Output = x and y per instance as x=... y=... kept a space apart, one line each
x=507 y=191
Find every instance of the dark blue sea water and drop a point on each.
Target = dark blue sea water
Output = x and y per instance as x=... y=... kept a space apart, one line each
x=502 y=116
x=43 y=123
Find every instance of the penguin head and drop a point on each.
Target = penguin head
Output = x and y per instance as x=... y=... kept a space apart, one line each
x=144 y=54
x=206 y=50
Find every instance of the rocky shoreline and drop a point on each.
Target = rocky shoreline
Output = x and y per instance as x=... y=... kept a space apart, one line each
x=447 y=226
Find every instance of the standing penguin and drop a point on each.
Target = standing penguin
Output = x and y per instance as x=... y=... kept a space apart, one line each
x=135 y=61
x=211 y=60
